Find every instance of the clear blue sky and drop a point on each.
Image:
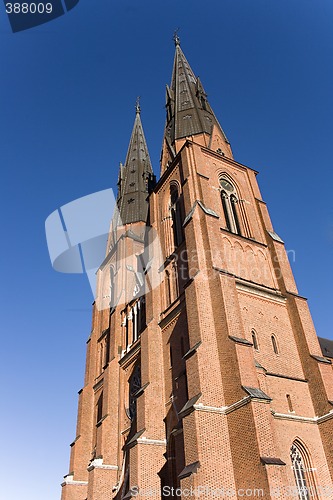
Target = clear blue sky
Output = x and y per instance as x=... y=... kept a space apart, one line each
x=67 y=94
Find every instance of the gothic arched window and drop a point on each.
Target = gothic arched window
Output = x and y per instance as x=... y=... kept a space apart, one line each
x=167 y=288
x=134 y=386
x=274 y=344
x=141 y=314
x=176 y=215
x=230 y=202
x=255 y=340
x=303 y=472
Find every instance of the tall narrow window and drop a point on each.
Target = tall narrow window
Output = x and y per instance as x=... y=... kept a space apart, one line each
x=99 y=408
x=167 y=288
x=255 y=340
x=290 y=403
x=107 y=349
x=224 y=198
x=141 y=314
x=100 y=357
x=186 y=385
x=175 y=281
x=229 y=204
x=274 y=344
x=135 y=322
x=177 y=216
x=126 y=330
x=303 y=472
x=233 y=201
x=134 y=386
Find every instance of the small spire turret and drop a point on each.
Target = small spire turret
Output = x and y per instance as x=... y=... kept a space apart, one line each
x=134 y=177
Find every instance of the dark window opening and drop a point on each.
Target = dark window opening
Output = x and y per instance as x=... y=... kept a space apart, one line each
x=177 y=215
x=99 y=409
x=134 y=386
x=255 y=341
x=225 y=210
x=234 y=211
x=274 y=344
x=290 y=403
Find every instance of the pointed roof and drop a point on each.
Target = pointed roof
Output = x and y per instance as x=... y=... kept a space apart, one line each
x=134 y=177
x=188 y=110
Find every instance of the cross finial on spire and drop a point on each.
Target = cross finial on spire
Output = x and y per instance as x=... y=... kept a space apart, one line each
x=176 y=38
x=137 y=105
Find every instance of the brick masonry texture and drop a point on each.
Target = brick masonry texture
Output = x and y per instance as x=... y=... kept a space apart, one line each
x=180 y=396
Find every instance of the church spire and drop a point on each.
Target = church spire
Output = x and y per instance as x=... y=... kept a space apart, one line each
x=134 y=176
x=189 y=112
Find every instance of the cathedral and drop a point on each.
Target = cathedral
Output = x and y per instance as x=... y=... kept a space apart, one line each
x=204 y=374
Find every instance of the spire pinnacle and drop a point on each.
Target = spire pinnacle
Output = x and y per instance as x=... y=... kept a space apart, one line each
x=135 y=177
x=176 y=38
x=189 y=112
x=137 y=105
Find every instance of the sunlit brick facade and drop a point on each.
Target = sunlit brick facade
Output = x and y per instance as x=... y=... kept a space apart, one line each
x=203 y=368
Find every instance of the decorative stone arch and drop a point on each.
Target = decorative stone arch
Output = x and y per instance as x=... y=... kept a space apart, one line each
x=254 y=337
x=227 y=241
x=238 y=247
x=249 y=249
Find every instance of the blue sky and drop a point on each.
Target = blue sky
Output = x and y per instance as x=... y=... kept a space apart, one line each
x=67 y=95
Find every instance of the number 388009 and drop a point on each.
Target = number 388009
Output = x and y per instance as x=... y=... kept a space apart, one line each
x=28 y=8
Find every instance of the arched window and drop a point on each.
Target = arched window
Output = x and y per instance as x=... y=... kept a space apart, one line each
x=233 y=201
x=175 y=281
x=141 y=314
x=167 y=288
x=230 y=202
x=176 y=215
x=135 y=321
x=126 y=322
x=224 y=198
x=255 y=340
x=274 y=344
x=134 y=386
x=303 y=472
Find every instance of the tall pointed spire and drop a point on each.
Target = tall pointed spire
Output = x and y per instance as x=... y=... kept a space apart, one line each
x=188 y=110
x=134 y=177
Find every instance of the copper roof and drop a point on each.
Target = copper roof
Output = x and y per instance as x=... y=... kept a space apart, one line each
x=188 y=110
x=134 y=177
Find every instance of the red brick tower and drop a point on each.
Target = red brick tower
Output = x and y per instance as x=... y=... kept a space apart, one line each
x=204 y=370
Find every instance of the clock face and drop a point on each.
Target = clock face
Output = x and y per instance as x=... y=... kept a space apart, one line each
x=226 y=185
